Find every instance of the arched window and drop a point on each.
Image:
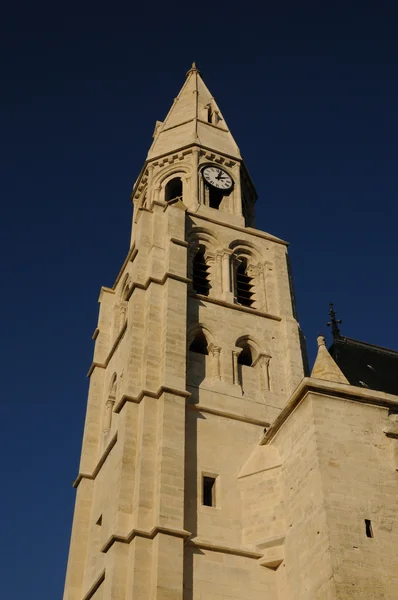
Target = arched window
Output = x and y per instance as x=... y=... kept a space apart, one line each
x=199 y=343
x=200 y=273
x=243 y=284
x=245 y=366
x=245 y=357
x=173 y=190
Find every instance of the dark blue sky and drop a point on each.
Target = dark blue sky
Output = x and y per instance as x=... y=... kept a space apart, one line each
x=310 y=92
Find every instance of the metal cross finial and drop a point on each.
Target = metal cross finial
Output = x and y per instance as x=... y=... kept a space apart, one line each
x=334 y=323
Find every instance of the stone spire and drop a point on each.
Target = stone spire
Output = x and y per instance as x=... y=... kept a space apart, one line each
x=325 y=367
x=194 y=118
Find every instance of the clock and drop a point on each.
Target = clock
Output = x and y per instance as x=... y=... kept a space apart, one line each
x=218 y=178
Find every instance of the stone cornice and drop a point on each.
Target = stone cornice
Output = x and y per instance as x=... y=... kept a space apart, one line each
x=252 y=311
x=228 y=415
x=206 y=545
x=164 y=389
x=99 y=465
x=250 y=230
x=328 y=388
x=126 y=539
x=156 y=280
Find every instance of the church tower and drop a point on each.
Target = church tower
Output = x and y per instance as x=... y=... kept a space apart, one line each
x=197 y=351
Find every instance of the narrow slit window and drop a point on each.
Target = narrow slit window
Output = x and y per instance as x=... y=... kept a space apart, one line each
x=209 y=491
x=99 y=521
x=368 y=528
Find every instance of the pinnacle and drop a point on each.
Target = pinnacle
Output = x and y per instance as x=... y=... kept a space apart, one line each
x=325 y=367
x=194 y=118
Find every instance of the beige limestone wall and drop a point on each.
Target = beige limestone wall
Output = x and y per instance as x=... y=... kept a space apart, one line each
x=222 y=576
x=359 y=481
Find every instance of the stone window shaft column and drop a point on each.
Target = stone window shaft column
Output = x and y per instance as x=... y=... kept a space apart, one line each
x=123 y=315
x=264 y=361
x=108 y=414
x=235 y=368
x=216 y=352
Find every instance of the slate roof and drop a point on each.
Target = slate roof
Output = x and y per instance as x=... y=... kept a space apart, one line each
x=366 y=365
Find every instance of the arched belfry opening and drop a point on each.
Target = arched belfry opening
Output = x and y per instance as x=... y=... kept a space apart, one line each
x=200 y=273
x=245 y=367
x=197 y=358
x=246 y=356
x=173 y=190
x=199 y=343
x=243 y=284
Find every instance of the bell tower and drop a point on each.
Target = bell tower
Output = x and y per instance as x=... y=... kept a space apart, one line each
x=197 y=350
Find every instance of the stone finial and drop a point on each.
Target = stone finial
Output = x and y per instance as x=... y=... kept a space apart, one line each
x=325 y=367
x=193 y=69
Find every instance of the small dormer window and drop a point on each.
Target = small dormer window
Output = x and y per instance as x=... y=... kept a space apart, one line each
x=210 y=115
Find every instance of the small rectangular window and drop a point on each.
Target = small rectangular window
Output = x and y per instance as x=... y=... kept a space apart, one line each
x=369 y=528
x=209 y=491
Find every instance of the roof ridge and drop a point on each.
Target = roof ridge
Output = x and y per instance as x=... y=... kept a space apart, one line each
x=365 y=344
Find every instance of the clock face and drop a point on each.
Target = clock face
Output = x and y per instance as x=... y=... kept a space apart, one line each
x=217 y=178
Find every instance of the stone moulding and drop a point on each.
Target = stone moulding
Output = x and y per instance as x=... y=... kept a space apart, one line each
x=180 y=533
x=99 y=581
x=274 y=554
x=322 y=387
x=164 y=389
x=221 y=413
x=250 y=230
x=100 y=463
x=245 y=309
x=206 y=545
x=111 y=352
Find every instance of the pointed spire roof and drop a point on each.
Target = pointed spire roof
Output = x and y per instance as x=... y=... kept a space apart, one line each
x=194 y=118
x=325 y=367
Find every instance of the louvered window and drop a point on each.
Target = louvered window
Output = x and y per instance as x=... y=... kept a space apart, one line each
x=200 y=274
x=244 y=286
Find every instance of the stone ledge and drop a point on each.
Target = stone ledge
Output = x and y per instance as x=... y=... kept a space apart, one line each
x=145 y=286
x=221 y=413
x=206 y=545
x=180 y=533
x=101 y=461
x=111 y=352
x=274 y=553
x=97 y=583
x=164 y=389
x=249 y=230
x=245 y=309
